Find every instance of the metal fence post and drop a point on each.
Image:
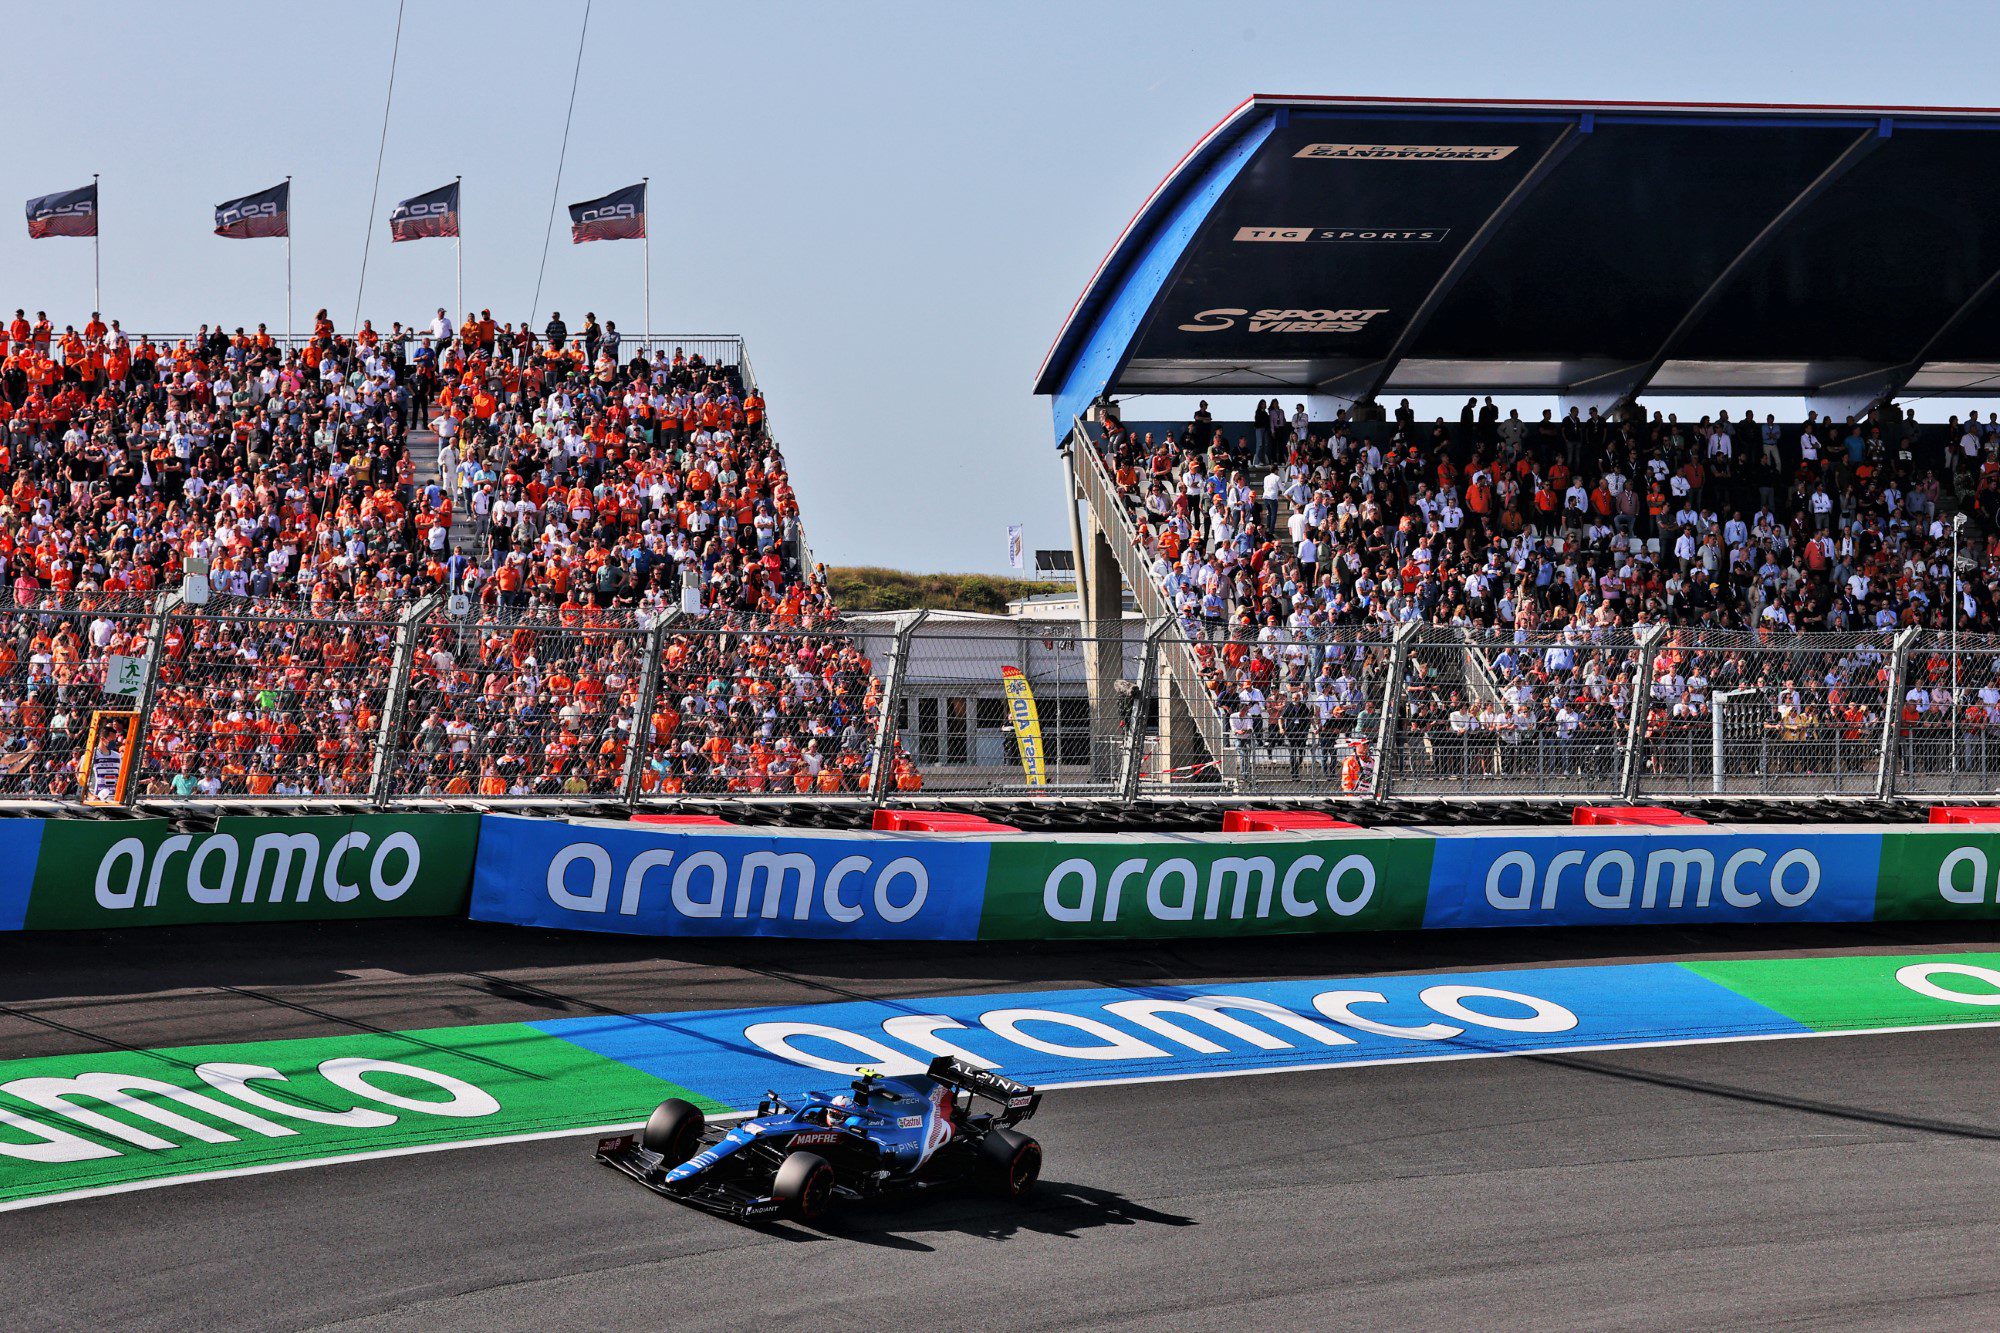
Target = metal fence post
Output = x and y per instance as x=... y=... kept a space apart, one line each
x=642 y=708
x=1635 y=720
x=1135 y=731
x=1392 y=706
x=892 y=698
x=387 y=736
x=1899 y=668
x=156 y=656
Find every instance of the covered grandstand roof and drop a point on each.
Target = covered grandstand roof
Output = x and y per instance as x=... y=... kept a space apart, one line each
x=1357 y=247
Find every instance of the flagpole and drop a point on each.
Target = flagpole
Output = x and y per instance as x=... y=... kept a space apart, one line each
x=96 y=255
x=289 y=334
x=457 y=256
x=646 y=203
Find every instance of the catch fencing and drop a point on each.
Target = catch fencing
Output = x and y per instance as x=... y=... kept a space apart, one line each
x=386 y=704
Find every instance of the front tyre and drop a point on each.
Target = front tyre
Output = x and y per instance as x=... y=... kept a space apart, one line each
x=1010 y=1163
x=803 y=1186
x=674 y=1131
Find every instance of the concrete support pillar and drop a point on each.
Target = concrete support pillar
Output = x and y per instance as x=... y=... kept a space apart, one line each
x=1180 y=741
x=1103 y=619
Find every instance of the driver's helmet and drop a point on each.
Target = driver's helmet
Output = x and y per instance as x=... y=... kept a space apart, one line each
x=843 y=1107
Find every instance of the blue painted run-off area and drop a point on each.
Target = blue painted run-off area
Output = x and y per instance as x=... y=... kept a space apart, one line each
x=1082 y=1036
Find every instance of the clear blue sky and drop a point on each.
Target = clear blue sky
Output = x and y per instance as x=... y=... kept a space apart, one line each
x=896 y=204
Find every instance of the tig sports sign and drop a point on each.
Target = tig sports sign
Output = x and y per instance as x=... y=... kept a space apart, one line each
x=1346 y=235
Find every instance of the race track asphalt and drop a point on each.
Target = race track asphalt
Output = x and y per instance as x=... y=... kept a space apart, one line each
x=1846 y=1181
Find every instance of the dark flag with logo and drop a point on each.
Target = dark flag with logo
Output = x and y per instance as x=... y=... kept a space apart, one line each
x=69 y=213
x=432 y=214
x=265 y=213
x=618 y=216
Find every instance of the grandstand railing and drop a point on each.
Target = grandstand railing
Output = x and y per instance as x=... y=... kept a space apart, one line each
x=245 y=702
x=1180 y=656
x=715 y=348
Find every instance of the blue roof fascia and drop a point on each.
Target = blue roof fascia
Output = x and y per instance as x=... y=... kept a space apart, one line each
x=1086 y=366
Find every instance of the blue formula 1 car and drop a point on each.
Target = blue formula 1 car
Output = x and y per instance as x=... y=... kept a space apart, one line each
x=884 y=1136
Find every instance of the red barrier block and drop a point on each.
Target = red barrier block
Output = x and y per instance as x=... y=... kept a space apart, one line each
x=1648 y=816
x=703 y=821
x=1280 y=821
x=936 y=821
x=1965 y=814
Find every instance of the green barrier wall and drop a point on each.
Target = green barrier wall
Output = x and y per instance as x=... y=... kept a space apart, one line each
x=1937 y=875
x=93 y=873
x=1150 y=888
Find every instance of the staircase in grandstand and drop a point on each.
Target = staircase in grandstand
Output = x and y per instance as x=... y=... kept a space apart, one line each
x=426 y=457
x=1179 y=665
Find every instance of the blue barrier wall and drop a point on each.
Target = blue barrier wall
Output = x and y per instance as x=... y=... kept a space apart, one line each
x=533 y=872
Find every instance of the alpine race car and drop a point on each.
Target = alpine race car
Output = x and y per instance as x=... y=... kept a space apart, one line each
x=884 y=1136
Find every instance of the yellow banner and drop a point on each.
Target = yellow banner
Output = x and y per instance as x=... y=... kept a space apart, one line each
x=1027 y=725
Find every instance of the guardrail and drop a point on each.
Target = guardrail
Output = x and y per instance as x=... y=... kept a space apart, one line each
x=716 y=348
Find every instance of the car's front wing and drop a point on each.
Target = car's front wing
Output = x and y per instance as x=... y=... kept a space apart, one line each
x=625 y=1153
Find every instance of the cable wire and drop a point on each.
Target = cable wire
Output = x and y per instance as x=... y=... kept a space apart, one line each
x=535 y=308
x=368 y=235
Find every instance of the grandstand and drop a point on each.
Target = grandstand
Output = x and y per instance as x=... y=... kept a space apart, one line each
x=595 y=582
x=1486 y=603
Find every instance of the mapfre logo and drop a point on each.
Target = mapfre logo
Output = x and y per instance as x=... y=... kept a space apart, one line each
x=1406 y=152
x=1347 y=235
x=1282 y=321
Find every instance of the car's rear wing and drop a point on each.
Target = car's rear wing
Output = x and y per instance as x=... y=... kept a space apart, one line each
x=1017 y=1101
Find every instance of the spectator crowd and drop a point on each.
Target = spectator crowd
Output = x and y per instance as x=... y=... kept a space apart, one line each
x=1291 y=549
x=580 y=490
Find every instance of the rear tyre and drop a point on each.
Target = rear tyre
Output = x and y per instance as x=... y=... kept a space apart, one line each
x=1011 y=1163
x=674 y=1131
x=803 y=1186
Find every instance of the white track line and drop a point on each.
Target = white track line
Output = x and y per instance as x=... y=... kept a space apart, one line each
x=268 y=1168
